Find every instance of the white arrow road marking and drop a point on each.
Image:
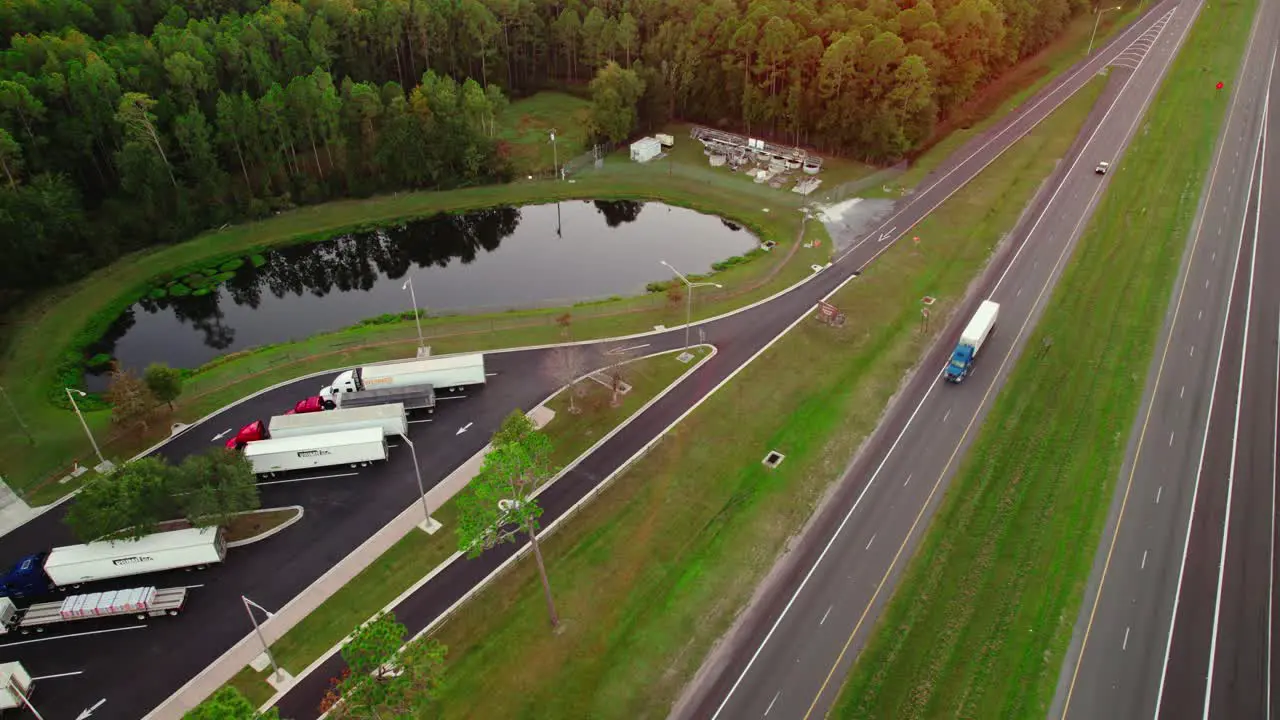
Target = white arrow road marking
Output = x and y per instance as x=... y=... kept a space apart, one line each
x=621 y=350
x=220 y=435
x=887 y=234
x=464 y=428
x=89 y=711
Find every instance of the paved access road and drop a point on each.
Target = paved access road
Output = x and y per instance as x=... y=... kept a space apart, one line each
x=1177 y=619
x=344 y=510
x=795 y=648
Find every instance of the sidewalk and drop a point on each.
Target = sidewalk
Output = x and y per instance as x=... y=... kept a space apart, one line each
x=249 y=648
x=13 y=510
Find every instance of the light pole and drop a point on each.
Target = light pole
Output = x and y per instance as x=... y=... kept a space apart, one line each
x=103 y=465
x=555 y=154
x=1095 y=27
x=408 y=285
x=429 y=525
x=249 y=605
x=688 y=306
x=26 y=430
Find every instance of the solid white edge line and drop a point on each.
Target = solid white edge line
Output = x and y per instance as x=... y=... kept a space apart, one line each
x=1080 y=155
x=1195 y=488
x=713 y=351
x=1244 y=362
x=1271 y=569
x=1067 y=81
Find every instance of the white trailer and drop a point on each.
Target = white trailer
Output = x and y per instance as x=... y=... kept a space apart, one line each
x=14 y=679
x=141 y=602
x=72 y=565
x=449 y=373
x=347 y=447
x=390 y=418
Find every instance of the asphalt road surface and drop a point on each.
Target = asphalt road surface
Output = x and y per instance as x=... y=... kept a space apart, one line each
x=796 y=646
x=1177 y=619
x=93 y=660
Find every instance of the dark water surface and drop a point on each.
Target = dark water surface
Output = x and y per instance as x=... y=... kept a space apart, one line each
x=493 y=259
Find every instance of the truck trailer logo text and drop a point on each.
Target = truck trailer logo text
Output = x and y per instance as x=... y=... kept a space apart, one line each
x=133 y=560
x=313 y=453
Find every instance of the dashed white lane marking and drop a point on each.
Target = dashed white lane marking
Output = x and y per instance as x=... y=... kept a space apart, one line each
x=873 y=539
x=1144 y=560
x=1158 y=491
x=825 y=614
x=774 y=700
x=1125 y=645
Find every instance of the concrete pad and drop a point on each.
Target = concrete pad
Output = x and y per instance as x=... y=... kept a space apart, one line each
x=279 y=680
x=14 y=511
x=430 y=526
x=260 y=663
x=541 y=415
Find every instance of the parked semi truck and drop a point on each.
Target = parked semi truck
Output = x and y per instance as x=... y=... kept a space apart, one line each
x=389 y=417
x=345 y=447
x=971 y=341
x=141 y=602
x=450 y=373
x=70 y=566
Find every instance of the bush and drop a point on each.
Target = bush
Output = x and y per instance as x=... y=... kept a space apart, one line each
x=179 y=290
x=230 y=266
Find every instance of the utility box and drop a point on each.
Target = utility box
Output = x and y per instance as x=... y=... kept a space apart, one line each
x=645 y=149
x=665 y=140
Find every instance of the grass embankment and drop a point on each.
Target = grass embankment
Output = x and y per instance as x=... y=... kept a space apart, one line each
x=1011 y=548
x=417 y=553
x=526 y=125
x=45 y=331
x=655 y=569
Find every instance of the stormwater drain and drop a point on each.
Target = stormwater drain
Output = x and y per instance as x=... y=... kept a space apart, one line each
x=685 y=357
x=773 y=459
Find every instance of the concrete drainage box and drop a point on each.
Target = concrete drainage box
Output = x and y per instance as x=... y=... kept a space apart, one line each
x=773 y=459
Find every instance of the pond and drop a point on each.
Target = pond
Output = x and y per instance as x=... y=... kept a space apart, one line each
x=495 y=259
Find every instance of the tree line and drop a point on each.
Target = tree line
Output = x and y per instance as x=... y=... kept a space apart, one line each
x=125 y=124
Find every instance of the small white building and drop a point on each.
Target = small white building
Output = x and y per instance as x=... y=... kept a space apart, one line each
x=645 y=149
x=666 y=140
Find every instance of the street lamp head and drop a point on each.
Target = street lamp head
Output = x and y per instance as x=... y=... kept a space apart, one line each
x=405 y=286
x=718 y=285
x=81 y=393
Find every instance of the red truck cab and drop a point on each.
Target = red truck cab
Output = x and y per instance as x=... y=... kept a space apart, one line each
x=312 y=404
x=256 y=430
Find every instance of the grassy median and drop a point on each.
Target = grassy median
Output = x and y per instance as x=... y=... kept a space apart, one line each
x=1005 y=564
x=655 y=569
x=417 y=554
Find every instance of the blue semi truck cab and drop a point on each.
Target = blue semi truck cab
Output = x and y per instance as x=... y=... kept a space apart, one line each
x=27 y=579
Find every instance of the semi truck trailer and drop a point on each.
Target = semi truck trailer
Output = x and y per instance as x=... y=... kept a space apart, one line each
x=443 y=374
x=971 y=340
x=41 y=574
x=142 y=602
x=346 y=447
x=388 y=417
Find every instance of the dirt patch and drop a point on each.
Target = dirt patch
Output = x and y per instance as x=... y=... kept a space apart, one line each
x=243 y=527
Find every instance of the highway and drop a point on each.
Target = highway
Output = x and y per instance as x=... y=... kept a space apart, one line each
x=344 y=510
x=1177 y=619
x=792 y=651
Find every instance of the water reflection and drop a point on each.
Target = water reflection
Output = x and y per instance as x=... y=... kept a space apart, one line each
x=550 y=254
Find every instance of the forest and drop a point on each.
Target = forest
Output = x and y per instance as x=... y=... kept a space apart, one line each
x=129 y=123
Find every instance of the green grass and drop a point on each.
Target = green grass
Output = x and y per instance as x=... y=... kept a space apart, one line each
x=525 y=126
x=1005 y=565
x=652 y=572
x=417 y=553
x=44 y=331
x=999 y=98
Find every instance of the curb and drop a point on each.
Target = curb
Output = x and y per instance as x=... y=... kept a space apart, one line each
x=272 y=531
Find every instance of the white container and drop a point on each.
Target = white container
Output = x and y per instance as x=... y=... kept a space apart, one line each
x=75 y=564
x=979 y=328
x=349 y=447
x=389 y=418
x=443 y=373
x=645 y=149
x=664 y=139
x=13 y=679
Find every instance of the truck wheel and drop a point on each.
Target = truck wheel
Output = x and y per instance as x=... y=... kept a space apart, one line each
x=329 y=404
x=173 y=612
